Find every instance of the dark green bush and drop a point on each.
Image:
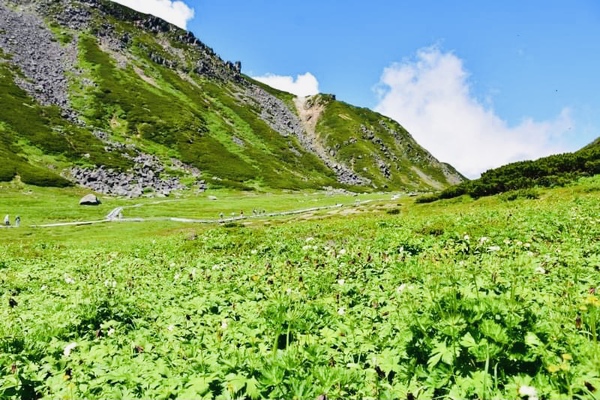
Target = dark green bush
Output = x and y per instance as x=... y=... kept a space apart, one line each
x=7 y=171
x=427 y=198
x=529 y=194
x=41 y=177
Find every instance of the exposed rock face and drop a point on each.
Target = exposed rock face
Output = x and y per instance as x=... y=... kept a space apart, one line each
x=42 y=60
x=89 y=200
x=145 y=176
x=281 y=119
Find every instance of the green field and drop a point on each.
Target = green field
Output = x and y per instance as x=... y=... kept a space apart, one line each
x=492 y=298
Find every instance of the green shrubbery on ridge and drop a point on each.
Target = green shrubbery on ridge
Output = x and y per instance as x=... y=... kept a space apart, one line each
x=555 y=170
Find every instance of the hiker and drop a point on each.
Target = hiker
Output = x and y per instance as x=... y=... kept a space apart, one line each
x=17 y=221
x=221 y=216
x=7 y=220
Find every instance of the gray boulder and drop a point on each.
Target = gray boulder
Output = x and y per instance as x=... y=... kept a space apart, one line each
x=89 y=200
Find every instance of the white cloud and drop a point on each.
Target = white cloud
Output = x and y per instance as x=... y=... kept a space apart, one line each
x=303 y=85
x=431 y=97
x=175 y=12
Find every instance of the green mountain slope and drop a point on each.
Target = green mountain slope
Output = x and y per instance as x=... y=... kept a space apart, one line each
x=96 y=94
x=554 y=170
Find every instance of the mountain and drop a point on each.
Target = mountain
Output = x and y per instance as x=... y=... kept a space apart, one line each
x=96 y=94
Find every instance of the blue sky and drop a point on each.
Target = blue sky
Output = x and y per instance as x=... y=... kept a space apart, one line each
x=478 y=83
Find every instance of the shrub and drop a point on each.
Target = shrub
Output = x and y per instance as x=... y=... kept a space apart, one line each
x=428 y=198
x=41 y=177
x=7 y=172
x=530 y=194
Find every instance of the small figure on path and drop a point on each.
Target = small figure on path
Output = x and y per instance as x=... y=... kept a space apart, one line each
x=17 y=221
x=221 y=215
x=242 y=214
x=7 y=220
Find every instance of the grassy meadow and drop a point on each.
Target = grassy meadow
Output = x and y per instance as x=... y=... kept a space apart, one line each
x=492 y=298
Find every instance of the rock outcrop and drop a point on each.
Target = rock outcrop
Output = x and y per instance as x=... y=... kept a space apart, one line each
x=89 y=200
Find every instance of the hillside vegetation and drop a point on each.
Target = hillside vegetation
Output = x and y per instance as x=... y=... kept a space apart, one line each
x=551 y=171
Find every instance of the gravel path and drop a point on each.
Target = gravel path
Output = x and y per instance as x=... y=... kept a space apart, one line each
x=113 y=216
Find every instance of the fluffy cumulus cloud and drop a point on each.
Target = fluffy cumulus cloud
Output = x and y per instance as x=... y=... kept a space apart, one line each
x=431 y=97
x=175 y=12
x=303 y=85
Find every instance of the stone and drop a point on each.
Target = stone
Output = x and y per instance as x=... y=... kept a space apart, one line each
x=213 y=198
x=89 y=200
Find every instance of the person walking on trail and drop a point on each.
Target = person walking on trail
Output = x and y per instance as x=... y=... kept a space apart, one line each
x=17 y=221
x=7 y=220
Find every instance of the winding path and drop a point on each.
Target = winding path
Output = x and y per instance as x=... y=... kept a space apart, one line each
x=116 y=215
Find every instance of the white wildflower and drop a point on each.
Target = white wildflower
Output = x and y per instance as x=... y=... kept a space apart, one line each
x=309 y=239
x=69 y=280
x=306 y=247
x=193 y=272
x=224 y=324
x=519 y=243
x=172 y=265
x=44 y=288
x=254 y=252
x=170 y=328
x=527 y=245
x=341 y=311
x=69 y=348
x=401 y=288
x=494 y=248
x=110 y=332
x=483 y=240
x=528 y=391
x=110 y=283
x=506 y=241
x=288 y=291
x=342 y=252
x=466 y=237
x=341 y=282
x=540 y=270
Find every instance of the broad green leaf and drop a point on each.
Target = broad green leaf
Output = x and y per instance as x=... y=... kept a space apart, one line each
x=252 y=389
x=468 y=341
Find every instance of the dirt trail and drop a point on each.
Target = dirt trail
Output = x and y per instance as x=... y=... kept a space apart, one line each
x=113 y=216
